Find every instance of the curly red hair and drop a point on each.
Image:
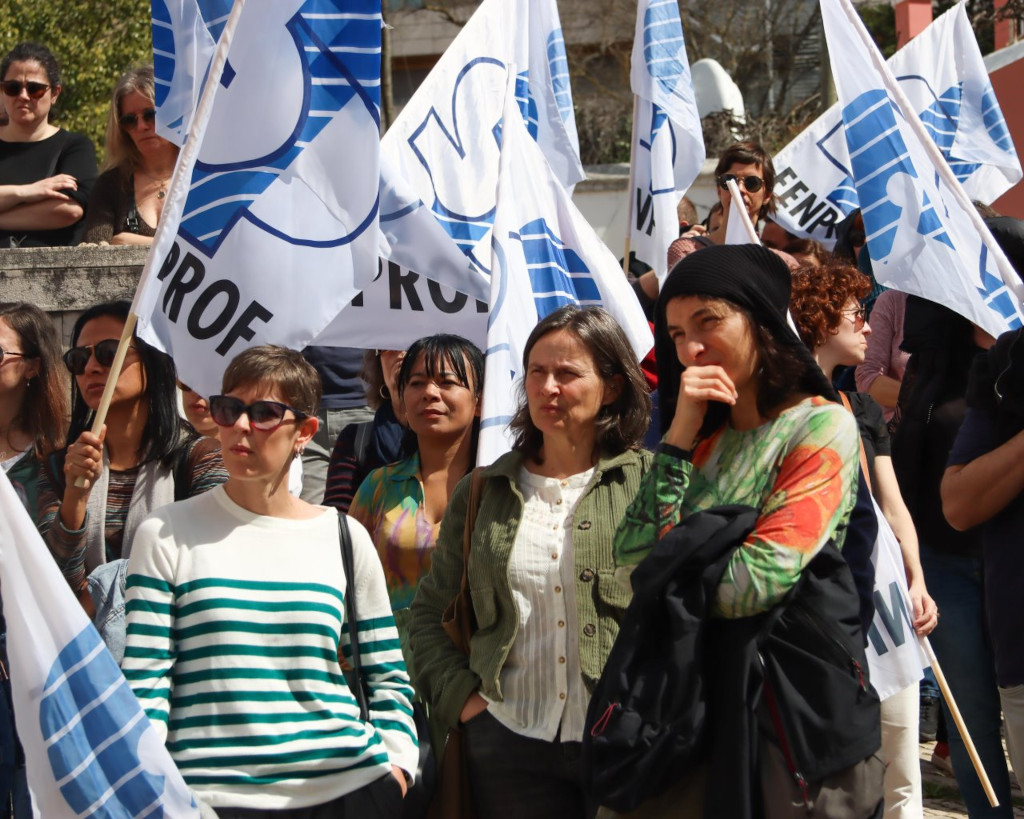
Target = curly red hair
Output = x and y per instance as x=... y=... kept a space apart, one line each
x=818 y=297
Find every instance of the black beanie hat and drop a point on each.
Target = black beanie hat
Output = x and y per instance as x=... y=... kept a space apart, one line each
x=751 y=277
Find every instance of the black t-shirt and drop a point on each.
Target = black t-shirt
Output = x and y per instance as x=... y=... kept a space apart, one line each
x=22 y=163
x=874 y=434
x=981 y=432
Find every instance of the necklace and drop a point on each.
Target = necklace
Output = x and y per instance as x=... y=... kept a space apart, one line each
x=161 y=184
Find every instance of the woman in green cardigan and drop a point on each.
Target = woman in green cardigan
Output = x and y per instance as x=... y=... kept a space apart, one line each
x=540 y=571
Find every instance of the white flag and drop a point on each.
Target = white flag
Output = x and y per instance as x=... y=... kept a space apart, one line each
x=894 y=657
x=270 y=227
x=942 y=73
x=545 y=255
x=669 y=149
x=445 y=142
x=923 y=234
x=90 y=750
x=185 y=35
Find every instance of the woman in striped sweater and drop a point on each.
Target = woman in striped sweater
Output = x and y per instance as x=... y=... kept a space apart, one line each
x=236 y=622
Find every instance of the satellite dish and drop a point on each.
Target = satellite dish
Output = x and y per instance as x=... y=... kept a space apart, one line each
x=715 y=90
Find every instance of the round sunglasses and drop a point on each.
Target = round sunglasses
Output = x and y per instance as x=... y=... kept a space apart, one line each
x=266 y=416
x=12 y=88
x=77 y=358
x=131 y=121
x=752 y=183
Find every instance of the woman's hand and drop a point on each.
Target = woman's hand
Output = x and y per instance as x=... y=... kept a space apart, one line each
x=84 y=460
x=399 y=774
x=475 y=704
x=693 y=231
x=50 y=188
x=926 y=613
x=697 y=387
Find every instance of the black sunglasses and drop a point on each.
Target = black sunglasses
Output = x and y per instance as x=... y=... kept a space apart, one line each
x=12 y=88
x=77 y=358
x=131 y=121
x=752 y=183
x=266 y=416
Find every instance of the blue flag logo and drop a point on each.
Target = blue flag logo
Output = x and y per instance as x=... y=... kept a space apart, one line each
x=337 y=44
x=663 y=43
x=92 y=725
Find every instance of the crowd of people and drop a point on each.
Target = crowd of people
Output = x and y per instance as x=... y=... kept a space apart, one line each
x=276 y=567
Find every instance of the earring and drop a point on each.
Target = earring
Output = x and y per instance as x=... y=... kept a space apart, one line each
x=384 y=393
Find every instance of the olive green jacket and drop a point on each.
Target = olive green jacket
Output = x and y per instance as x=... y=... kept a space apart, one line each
x=444 y=676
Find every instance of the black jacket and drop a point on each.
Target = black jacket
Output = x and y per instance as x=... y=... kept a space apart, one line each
x=681 y=688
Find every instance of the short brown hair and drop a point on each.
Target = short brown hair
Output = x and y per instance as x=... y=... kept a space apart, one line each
x=278 y=367
x=751 y=153
x=818 y=297
x=621 y=424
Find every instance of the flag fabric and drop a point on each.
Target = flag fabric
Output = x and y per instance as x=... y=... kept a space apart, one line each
x=923 y=233
x=942 y=73
x=90 y=751
x=445 y=145
x=668 y=148
x=895 y=660
x=544 y=255
x=271 y=222
x=185 y=35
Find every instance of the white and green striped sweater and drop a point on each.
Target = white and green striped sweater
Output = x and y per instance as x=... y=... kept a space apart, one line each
x=234 y=621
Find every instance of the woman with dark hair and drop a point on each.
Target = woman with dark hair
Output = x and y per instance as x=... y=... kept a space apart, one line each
x=143 y=458
x=750 y=419
x=46 y=173
x=401 y=505
x=242 y=606
x=129 y=195
x=546 y=605
x=33 y=395
x=825 y=306
x=33 y=421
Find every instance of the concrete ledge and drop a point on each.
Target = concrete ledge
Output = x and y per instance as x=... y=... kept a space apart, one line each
x=63 y=281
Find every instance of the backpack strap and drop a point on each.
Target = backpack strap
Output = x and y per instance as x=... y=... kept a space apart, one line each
x=356 y=682
x=863 y=455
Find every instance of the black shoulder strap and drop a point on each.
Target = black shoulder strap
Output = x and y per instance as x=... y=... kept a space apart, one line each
x=347 y=562
x=364 y=434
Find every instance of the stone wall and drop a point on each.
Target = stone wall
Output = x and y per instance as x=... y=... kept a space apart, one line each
x=65 y=280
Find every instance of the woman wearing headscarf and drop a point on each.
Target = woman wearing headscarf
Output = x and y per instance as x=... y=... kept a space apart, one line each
x=749 y=419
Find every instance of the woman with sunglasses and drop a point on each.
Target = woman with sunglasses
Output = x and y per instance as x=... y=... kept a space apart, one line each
x=830 y=320
x=46 y=173
x=145 y=456
x=237 y=625
x=129 y=195
x=751 y=166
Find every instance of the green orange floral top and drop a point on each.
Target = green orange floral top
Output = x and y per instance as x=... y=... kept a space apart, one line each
x=800 y=470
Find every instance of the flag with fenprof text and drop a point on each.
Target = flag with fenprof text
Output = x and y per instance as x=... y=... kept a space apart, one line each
x=668 y=151
x=942 y=73
x=544 y=255
x=90 y=751
x=923 y=234
x=271 y=222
